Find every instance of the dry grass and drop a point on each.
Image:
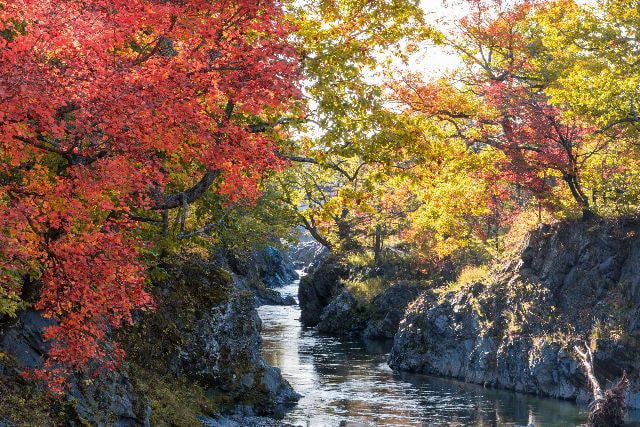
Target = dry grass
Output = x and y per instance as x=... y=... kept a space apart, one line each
x=468 y=276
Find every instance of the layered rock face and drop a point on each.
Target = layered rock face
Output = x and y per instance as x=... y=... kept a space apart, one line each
x=516 y=329
x=261 y=272
x=108 y=400
x=307 y=253
x=275 y=267
x=387 y=310
x=214 y=339
x=378 y=319
x=204 y=336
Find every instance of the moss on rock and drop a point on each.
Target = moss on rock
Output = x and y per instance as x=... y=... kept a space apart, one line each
x=23 y=403
x=174 y=401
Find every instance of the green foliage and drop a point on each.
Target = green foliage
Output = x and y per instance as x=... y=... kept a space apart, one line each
x=367 y=289
x=360 y=258
x=11 y=303
x=467 y=277
x=238 y=226
x=368 y=278
x=265 y=222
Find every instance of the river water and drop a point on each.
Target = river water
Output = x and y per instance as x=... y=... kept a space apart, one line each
x=349 y=383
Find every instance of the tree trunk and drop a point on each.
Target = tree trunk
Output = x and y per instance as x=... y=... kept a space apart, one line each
x=578 y=194
x=377 y=245
x=347 y=242
x=608 y=407
x=316 y=234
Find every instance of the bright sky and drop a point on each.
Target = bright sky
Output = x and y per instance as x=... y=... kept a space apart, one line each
x=437 y=60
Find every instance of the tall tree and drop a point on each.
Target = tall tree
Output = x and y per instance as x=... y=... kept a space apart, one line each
x=347 y=133
x=112 y=108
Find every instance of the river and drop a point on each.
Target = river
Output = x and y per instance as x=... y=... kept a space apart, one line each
x=349 y=383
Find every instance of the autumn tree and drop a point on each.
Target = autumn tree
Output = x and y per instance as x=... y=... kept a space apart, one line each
x=114 y=113
x=541 y=109
x=347 y=134
x=596 y=44
x=510 y=69
x=529 y=61
x=458 y=189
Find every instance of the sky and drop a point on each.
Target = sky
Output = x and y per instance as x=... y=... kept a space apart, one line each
x=434 y=60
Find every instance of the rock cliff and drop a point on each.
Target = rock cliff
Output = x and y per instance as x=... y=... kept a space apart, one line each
x=260 y=272
x=327 y=303
x=319 y=288
x=197 y=354
x=307 y=252
x=516 y=328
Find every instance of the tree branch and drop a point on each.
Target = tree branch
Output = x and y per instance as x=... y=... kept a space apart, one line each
x=171 y=201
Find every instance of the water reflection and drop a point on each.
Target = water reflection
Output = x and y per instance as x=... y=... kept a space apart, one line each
x=349 y=383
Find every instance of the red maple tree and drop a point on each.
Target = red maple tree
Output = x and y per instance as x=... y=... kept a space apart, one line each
x=503 y=57
x=510 y=64
x=102 y=103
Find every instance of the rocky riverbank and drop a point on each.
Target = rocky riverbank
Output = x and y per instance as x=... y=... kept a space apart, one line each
x=516 y=327
x=198 y=354
x=260 y=272
x=350 y=302
x=307 y=252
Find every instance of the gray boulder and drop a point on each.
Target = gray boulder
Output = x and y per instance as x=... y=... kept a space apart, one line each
x=23 y=340
x=223 y=353
x=261 y=294
x=306 y=254
x=205 y=331
x=343 y=316
x=260 y=271
x=275 y=268
x=447 y=338
x=387 y=310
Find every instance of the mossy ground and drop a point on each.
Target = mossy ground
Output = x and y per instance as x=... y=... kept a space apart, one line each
x=23 y=403
x=174 y=401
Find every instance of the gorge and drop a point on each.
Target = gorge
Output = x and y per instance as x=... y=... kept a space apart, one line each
x=231 y=213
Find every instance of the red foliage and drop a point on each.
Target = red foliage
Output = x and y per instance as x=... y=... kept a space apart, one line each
x=101 y=103
x=533 y=136
x=531 y=132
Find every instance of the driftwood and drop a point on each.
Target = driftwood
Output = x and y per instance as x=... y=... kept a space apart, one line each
x=608 y=406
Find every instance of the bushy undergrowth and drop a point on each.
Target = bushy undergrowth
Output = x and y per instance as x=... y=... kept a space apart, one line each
x=23 y=403
x=174 y=401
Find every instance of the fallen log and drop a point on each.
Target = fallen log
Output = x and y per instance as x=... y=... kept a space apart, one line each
x=608 y=407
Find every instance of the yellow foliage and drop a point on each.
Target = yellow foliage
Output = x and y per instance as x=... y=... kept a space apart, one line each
x=359 y=259
x=468 y=276
x=522 y=226
x=366 y=289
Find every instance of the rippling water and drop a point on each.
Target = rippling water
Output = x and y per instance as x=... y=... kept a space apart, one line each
x=350 y=383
